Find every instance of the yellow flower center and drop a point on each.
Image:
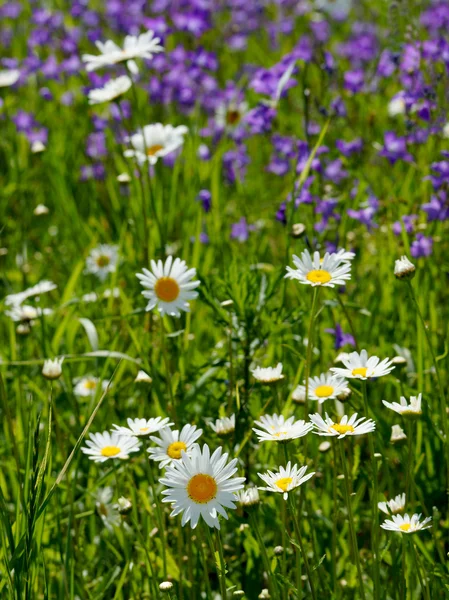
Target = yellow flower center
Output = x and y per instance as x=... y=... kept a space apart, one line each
x=144 y=429
x=152 y=150
x=103 y=261
x=342 y=428
x=279 y=433
x=110 y=451
x=90 y=384
x=166 y=289
x=175 y=449
x=283 y=483
x=404 y=526
x=232 y=117
x=202 y=488
x=324 y=391
x=360 y=371
x=320 y=276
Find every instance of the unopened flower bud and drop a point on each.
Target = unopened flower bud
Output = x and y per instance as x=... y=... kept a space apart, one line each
x=404 y=269
x=124 y=506
x=52 y=369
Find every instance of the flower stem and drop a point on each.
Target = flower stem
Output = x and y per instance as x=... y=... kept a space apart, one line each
x=301 y=546
x=424 y=588
x=221 y=568
x=159 y=518
x=374 y=497
x=348 y=318
x=272 y=583
x=310 y=350
x=167 y=370
x=355 y=548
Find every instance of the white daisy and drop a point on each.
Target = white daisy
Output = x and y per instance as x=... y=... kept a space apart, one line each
x=87 y=386
x=228 y=116
x=102 y=260
x=404 y=269
x=327 y=272
x=170 y=286
x=397 y=434
x=446 y=131
x=359 y=366
x=275 y=428
x=106 y=445
x=201 y=485
x=112 y=89
x=396 y=106
x=285 y=480
x=393 y=506
x=343 y=255
x=142 y=46
x=268 y=374
x=406 y=410
x=25 y=313
x=8 y=78
x=143 y=377
x=248 y=497
x=324 y=387
x=155 y=141
x=223 y=426
x=52 y=369
x=43 y=287
x=406 y=524
x=284 y=79
x=346 y=426
x=171 y=444
x=108 y=512
x=143 y=427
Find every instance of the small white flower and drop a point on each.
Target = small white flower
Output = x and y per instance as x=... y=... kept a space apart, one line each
x=397 y=434
x=142 y=46
x=112 y=89
x=37 y=147
x=406 y=524
x=360 y=366
x=223 y=426
x=9 y=78
x=330 y=271
x=143 y=427
x=248 y=497
x=108 y=512
x=143 y=377
x=275 y=428
x=446 y=131
x=171 y=444
x=155 y=141
x=346 y=426
x=202 y=485
x=268 y=374
x=26 y=314
x=43 y=287
x=404 y=269
x=102 y=261
x=324 y=387
x=165 y=586
x=52 y=369
x=285 y=480
x=393 y=506
x=228 y=116
x=171 y=286
x=406 y=410
x=396 y=106
x=87 y=386
x=41 y=209
x=106 y=445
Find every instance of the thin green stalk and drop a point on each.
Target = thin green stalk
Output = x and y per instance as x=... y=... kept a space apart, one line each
x=374 y=498
x=167 y=370
x=220 y=568
x=348 y=318
x=409 y=462
x=205 y=570
x=355 y=548
x=158 y=516
x=310 y=349
x=272 y=583
x=424 y=588
x=222 y=565
x=334 y=520
x=301 y=546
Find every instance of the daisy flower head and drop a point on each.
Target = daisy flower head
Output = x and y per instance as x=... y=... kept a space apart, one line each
x=9 y=77
x=103 y=446
x=88 y=386
x=112 y=89
x=360 y=366
x=24 y=313
x=43 y=287
x=269 y=374
x=223 y=426
x=346 y=426
x=406 y=524
x=102 y=260
x=324 y=387
x=248 y=497
x=202 y=485
x=404 y=269
x=229 y=115
x=393 y=506
x=143 y=427
x=143 y=377
x=412 y=410
x=52 y=369
x=312 y=270
x=397 y=434
x=171 y=444
x=170 y=286
x=107 y=511
x=155 y=141
x=285 y=480
x=141 y=46
x=275 y=428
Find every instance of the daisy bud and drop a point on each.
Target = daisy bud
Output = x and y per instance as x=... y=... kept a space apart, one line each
x=238 y=593
x=124 y=506
x=278 y=550
x=324 y=446
x=404 y=269
x=298 y=230
x=397 y=434
x=41 y=209
x=165 y=586
x=143 y=377
x=37 y=147
x=399 y=361
x=52 y=369
x=264 y=594
x=23 y=329
x=344 y=395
